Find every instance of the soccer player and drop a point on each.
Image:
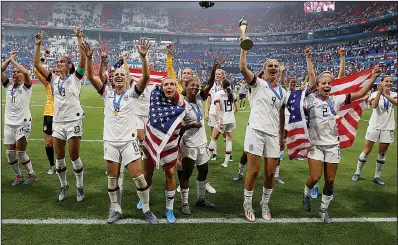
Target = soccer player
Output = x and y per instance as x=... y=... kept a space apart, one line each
x=242 y=94
x=325 y=149
x=17 y=119
x=225 y=102
x=381 y=127
x=193 y=142
x=68 y=113
x=120 y=146
x=48 y=114
x=264 y=132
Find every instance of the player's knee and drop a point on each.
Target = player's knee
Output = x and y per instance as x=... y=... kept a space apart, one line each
x=49 y=143
x=60 y=165
x=140 y=183
x=77 y=165
x=187 y=172
x=11 y=156
x=203 y=171
x=23 y=157
x=315 y=178
x=169 y=173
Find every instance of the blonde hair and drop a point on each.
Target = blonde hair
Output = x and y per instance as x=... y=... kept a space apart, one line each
x=323 y=74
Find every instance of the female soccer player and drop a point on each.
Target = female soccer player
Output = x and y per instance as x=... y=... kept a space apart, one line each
x=325 y=149
x=17 y=119
x=68 y=113
x=381 y=127
x=120 y=146
x=194 y=141
x=225 y=102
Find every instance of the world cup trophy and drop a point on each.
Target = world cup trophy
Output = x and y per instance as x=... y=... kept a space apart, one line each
x=245 y=43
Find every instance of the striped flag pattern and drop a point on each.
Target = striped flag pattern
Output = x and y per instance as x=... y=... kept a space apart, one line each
x=298 y=141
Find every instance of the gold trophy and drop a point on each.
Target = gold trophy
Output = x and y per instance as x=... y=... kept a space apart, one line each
x=246 y=43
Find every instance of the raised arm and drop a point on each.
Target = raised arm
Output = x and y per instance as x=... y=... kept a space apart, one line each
x=169 y=62
x=368 y=85
x=36 y=58
x=4 y=65
x=27 y=80
x=342 y=53
x=210 y=83
x=247 y=74
x=88 y=52
x=310 y=66
x=282 y=72
x=143 y=50
x=101 y=68
x=260 y=74
x=82 y=55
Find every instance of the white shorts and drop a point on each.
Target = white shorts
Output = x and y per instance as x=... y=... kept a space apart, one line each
x=200 y=154
x=261 y=144
x=141 y=123
x=13 y=133
x=383 y=136
x=121 y=152
x=212 y=121
x=325 y=153
x=66 y=130
x=226 y=128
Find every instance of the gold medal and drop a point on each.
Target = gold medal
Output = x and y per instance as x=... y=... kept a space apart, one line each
x=115 y=113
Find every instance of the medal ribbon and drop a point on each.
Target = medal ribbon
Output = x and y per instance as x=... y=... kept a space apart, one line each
x=279 y=96
x=329 y=102
x=116 y=104
x=386 y=102
x=61 y=84
x=197 y=111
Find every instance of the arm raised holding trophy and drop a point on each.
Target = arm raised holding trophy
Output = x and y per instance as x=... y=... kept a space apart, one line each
x=245 y=44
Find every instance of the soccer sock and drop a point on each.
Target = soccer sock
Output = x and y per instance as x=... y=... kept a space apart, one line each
x=24 y=159
x=50 y=155
x=169 y=199
x=325 y=202
x=61 y=171
x=266 y=196
x=143 y=194
x=241 y=168
x=361 y=162
x=277 y=172
x=113 y=187
x=381 y=160
x=248 y=196
x=244 y=102
x=184 y=196
x=201 y=185
x=307 y=191
x=78 y=169
x=13 y=162
x=213 y=147
x=228 y=150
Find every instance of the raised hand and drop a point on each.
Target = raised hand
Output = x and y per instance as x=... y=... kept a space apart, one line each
x=13 y=55
x=143 y=47
x=308 y=52
x=87 y=49
x=46 y=53
x=38 y=39
x=79 y=32
x=341 y=51
x=216 y=65
x=380 y=86
x=104 y=57
x=125 y=55
x=282 y=66
x=170 y=49
x=376 y=71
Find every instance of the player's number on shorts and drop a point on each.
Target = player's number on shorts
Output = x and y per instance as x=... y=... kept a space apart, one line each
x=136 y=147
x=77 y=129
x=273 y=101
x=325 y=111
x=227 y=105
x=63 y=94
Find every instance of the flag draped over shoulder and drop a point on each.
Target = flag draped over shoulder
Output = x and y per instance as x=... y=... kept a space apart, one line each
x=298 y=141
x=163 y=127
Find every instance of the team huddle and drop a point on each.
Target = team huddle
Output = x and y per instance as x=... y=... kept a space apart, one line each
x=148 y=126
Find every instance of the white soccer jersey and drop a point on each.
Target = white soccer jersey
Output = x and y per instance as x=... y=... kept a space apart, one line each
x=17 y=104
x=383 y=115
x=227 y=109
x=194 y=137
x=265 y=107
x=213 y=91
x=66 y=97
x=242 y=88
x=120 y=127
x=142 y=105
x=322 y=122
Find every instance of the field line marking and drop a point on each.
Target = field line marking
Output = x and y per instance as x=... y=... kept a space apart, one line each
x=81 y=140
x=194 y=221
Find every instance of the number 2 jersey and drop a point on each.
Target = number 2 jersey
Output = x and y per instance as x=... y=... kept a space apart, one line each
x=17 y=110
x=227 y=108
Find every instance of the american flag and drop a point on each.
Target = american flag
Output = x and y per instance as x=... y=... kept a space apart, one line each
x=298 y=142
x=163 y=127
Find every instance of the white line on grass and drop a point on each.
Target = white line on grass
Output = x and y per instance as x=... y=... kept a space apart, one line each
x=81 y=140
x=192 y=221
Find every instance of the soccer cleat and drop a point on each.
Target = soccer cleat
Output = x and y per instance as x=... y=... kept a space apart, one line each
x=185 y=209
x=378 y=181
x=139 y=205
x=281 y=156
x=224 y=164
x=29 y=179
x=178 y=188
x=299 y=159
x=355 y=178
x=204 y=203
x=243 y=108
x=279 y=181
x=331 y=197
x=266 y=213
x=230 y=158
x=170 y=216
x=314 y=192
x=106 y=172
x=79 y=194
x=214 y=157
x=62 y=193
x=210 y=189
x=113 y=217
x=150 y=217
x=325 y=216
x=238 y=177
x=307 y=203
x=51 y=170
x=249 y=212
x=18 y=180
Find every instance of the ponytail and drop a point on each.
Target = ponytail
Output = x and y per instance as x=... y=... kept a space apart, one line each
x=226 y=86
